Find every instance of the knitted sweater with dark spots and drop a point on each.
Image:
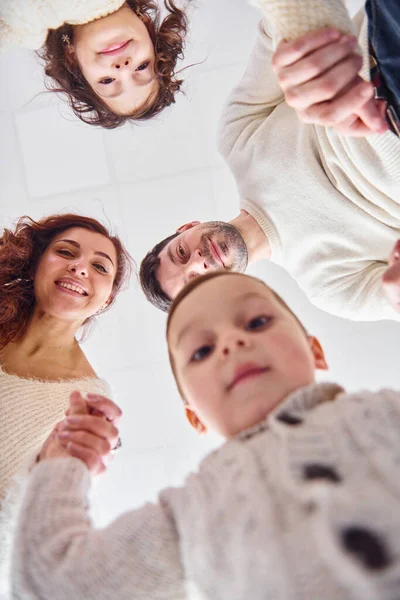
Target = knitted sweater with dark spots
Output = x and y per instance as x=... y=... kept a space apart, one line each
x=305 y=505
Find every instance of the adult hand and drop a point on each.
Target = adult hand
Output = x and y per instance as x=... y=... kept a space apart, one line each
x=391 y=278
x=89 y=437
x=318 y=74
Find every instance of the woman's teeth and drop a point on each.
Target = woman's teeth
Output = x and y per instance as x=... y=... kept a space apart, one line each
x=69 y=286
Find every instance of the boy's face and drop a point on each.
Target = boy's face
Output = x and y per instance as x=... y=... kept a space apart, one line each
x=238 y=353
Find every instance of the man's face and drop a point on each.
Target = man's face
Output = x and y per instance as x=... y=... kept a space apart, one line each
x=199 y=249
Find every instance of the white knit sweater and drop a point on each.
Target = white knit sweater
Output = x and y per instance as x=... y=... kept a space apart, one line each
x=328 y=204
x=26 y=22
x=303 y=506
x=29 y=408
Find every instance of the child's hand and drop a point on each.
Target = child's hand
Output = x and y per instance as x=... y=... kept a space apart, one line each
x=391 y=278
x=319 y=77
x=90 y=437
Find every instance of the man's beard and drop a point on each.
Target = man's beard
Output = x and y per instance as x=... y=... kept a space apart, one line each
x=230 y=243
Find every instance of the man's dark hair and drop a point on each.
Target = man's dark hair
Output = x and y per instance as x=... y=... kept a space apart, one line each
x=148 y=278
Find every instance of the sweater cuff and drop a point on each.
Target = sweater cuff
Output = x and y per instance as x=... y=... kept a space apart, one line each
x=59 y=476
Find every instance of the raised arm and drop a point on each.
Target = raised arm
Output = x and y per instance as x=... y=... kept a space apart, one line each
x=59 y=555
x=253 y=100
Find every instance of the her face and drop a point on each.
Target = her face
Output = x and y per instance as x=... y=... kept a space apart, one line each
x=75 y=275
x=116 y=57
x=238 y=353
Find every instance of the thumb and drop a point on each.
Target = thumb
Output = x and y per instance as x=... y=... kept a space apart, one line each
x=77 y=405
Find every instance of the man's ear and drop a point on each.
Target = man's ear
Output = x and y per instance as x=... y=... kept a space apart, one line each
x=194 y=420
x=319 y=356
x=187 y=226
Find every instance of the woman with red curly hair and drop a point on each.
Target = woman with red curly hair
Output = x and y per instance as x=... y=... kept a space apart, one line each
x=113 y=59
x=56 y=275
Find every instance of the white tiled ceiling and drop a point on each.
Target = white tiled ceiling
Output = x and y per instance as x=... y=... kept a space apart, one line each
x=148 y=180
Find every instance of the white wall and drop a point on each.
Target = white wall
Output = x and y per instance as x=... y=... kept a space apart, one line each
x=147 y=180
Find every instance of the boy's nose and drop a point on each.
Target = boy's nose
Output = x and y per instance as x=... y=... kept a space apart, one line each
x=233 y=343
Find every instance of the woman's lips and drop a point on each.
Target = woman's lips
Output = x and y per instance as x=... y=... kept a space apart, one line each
x=246 y=371
x=115 y=48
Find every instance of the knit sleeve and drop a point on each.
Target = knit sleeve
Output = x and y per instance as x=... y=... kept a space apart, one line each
x=58 y=553
x=358 y=296
x=253 y=100
x=291 y=19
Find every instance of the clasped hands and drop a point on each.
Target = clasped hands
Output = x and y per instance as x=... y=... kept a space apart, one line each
x=318 y=74
x=88 y=432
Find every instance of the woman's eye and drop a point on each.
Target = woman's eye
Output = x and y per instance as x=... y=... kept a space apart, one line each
x=100 y=268
x=65 y=252
x=143 y=66
x=107 y=80
x=257 y=323
x=201 y=353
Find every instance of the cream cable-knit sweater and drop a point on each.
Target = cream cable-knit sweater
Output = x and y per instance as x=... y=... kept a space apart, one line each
x=303 y=506
x=329 y=204
x=30 y=408
x=26 y=22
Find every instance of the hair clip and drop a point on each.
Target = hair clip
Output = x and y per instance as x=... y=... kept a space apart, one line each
x=67 y=40
x=138 y=12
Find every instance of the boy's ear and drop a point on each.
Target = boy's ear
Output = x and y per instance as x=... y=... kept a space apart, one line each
x=194 y=420
x=187 y=226
x=319 y=356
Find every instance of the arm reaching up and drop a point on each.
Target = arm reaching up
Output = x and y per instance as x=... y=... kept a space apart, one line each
x=317 y=65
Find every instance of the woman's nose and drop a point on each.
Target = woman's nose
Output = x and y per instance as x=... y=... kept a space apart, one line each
x=78 y=269
x=122 y=63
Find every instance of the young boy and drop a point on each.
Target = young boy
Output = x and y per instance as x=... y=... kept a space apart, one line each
x=301 y=502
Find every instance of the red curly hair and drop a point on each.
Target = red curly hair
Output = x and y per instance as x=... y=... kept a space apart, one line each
x=20 y=252
x=168 y=38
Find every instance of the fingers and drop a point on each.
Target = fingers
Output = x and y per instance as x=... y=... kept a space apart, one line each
x=105 y=406
x=325 y=87
x=77 y=404
x=92 y=460
x=342 y=107
x=373 y=114
x=95 y=425
x=395 y=255
x=99 y=445
x=316 y=63
x=391 y=278
x=288 y=53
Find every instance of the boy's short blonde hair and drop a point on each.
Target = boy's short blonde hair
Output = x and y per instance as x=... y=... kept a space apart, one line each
x=195 y=283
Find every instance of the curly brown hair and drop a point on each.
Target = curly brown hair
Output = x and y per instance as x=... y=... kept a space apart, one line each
x=168 y=37
x=20 y=252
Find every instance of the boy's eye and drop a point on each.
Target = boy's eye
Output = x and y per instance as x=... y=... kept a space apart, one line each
x=143 y=66
x=107 y=80
x=257 y=323
x=201 y=353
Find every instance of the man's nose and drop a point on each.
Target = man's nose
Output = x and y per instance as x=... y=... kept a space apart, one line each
x=200 y=263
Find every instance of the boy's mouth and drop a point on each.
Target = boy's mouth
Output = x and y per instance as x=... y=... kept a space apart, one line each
x=246 y=371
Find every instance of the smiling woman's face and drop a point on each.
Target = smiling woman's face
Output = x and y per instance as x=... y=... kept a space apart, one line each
x=116 y=57
x=75 y=275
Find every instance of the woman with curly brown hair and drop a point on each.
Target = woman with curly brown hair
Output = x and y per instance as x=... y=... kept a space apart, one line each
x=113 y=59
x=55 y=276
